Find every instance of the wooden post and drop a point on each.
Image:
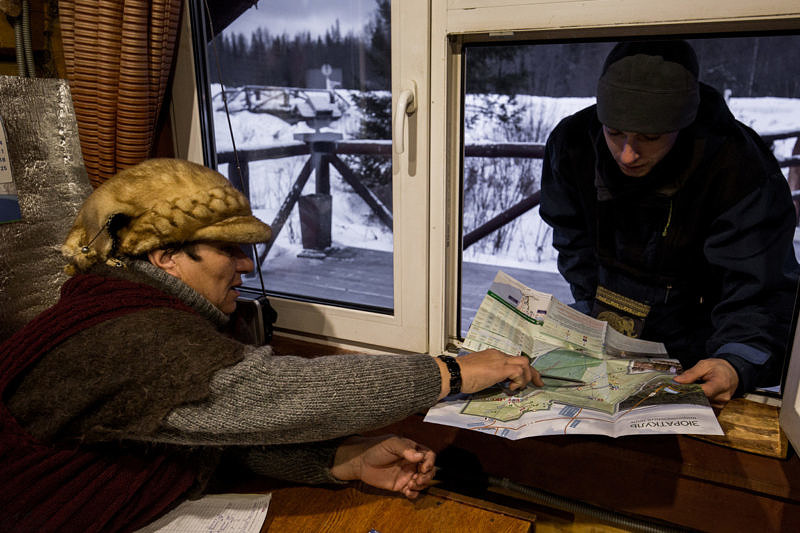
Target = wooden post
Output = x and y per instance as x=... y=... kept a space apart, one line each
x=286 y=208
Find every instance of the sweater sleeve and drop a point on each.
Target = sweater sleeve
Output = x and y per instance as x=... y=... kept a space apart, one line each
x=301 y=463
x=269 y=399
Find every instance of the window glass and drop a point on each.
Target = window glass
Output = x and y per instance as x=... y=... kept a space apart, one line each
x=514 y=95
x=302 y=89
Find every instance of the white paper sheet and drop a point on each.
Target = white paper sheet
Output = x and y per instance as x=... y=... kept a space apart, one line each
x=215 y=513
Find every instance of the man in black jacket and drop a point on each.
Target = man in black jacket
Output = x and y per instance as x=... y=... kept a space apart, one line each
x=673 y=221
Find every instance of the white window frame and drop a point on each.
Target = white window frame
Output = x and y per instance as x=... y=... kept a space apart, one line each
x=456 y=22
x=407 y=328
x=428 y=37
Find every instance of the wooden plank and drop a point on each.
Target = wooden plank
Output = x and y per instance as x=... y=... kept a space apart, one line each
x=751 y=427
x=350 y=509
x=351 y=275
x=364 y=277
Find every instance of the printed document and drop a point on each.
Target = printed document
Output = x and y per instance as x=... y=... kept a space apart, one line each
x=215 y=513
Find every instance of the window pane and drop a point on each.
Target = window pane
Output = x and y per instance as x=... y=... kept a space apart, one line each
x=515 y=96
x=307 y=91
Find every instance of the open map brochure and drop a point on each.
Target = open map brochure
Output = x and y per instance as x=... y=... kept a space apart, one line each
x=602 y=382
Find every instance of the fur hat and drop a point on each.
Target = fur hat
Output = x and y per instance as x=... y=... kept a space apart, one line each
x=649 y=87
x=157 y=203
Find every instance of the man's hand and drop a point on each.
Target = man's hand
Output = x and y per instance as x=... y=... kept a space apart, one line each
x=483 y=369
x=719 y=379
x=386 y=462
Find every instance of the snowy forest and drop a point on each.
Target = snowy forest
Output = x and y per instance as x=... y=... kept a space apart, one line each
x=513 y=94
x=747 y=66
x=278 y=59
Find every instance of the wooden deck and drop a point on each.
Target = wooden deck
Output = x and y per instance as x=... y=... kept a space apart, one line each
x=364 y=277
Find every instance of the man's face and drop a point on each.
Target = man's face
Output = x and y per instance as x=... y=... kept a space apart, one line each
x=637 y=153
x=215 y=271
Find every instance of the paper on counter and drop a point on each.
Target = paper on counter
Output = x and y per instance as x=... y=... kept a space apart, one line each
x=215 y=513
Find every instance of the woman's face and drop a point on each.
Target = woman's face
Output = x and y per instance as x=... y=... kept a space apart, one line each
x=214 y=269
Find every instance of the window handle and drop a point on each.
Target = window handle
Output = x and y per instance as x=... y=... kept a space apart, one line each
x=406 y=105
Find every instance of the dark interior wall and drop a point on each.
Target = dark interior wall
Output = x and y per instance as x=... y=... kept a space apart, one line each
x=45 y=39
x=49 y=57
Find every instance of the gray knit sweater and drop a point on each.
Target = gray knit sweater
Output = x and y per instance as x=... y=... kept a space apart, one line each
x=285 y=415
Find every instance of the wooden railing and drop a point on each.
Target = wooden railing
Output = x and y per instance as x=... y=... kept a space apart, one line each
x=323 y=154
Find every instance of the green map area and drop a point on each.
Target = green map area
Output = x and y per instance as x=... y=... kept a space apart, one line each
x=565 y=363
x=611 y=386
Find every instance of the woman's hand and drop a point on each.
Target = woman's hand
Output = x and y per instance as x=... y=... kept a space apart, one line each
x=483 y=369
x=386 y=462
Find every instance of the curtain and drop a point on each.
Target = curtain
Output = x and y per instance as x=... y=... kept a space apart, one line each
x=118 y=56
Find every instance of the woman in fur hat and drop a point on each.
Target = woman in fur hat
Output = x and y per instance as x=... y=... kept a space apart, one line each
x=672 y=217
x=120 y=400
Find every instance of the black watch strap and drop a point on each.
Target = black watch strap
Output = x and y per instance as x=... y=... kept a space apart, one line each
x=455 y=372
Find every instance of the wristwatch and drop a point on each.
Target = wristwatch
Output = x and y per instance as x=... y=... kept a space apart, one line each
x=455 y=372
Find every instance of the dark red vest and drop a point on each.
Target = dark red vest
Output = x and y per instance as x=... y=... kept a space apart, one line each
x=80 y=488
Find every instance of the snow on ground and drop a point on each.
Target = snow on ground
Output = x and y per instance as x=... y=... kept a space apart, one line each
x=488 y=118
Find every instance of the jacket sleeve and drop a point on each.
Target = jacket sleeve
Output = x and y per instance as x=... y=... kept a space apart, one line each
x=750 y=245
x=562 y=209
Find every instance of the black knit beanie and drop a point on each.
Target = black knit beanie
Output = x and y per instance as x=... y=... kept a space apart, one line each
x=649 y=87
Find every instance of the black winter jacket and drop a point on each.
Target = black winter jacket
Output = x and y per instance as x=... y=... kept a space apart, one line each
x=704 y=241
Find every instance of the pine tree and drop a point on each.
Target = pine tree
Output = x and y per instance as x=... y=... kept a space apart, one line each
x=375 y=103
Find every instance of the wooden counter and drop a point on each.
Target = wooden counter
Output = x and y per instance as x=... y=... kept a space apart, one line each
x=680 y=480
x=676 y=479
x=362 y=509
